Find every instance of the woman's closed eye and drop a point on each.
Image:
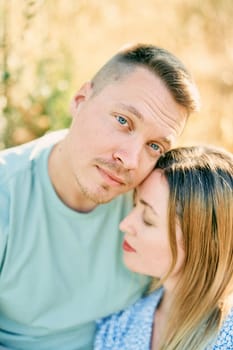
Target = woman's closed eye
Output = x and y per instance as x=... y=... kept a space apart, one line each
x=148 y=222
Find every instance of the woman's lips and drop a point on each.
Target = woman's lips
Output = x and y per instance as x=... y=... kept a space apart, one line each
x=127 y=247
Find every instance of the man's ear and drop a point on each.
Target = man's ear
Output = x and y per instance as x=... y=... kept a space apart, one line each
x=82 y=95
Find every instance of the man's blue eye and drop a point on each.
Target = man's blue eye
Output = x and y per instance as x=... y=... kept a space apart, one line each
x=155 y=147
x=121 y=120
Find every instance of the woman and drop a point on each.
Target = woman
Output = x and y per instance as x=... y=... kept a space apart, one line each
x=180 y=232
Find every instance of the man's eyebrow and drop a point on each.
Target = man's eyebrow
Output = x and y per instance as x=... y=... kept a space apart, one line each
x=132 y=110
x=142 y=201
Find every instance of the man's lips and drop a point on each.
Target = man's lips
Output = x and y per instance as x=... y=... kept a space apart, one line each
x=110 y=177
x=127 y=247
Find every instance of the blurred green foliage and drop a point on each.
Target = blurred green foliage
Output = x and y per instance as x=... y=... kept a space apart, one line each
x=34 y=91
x=48 y=48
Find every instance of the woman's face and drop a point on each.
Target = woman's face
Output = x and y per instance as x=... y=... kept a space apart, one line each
x=146 y=244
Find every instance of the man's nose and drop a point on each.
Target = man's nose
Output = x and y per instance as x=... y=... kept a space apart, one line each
x=129 y=154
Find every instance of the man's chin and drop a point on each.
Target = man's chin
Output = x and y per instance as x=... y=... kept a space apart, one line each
x=101 y=194
x=101 y=197
x=104 y=199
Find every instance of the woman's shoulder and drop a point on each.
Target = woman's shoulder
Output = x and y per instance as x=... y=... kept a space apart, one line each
x=129 y=328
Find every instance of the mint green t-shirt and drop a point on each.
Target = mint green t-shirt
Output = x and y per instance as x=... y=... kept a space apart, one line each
x=60 y=270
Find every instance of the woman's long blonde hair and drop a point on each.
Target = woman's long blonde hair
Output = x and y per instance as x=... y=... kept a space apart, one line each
x=201 y=196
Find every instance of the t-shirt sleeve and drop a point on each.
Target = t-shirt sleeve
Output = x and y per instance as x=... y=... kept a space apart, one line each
x=4 y=219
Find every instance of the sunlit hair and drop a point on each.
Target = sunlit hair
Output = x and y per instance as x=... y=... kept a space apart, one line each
x=201 y=196
x=160 y=62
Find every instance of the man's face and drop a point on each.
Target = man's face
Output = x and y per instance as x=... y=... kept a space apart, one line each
x=118 y=134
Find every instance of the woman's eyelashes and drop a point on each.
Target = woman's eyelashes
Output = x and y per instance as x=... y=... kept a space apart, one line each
x=147 y=221
x=148 y=216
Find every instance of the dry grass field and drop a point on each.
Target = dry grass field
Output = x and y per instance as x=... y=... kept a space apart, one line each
x=49 y=48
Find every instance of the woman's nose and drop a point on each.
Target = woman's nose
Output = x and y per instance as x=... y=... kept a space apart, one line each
x=127 y=225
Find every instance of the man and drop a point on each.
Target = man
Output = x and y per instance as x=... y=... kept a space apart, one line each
x=63 y=196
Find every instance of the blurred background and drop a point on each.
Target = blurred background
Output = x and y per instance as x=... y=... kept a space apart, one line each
x=48 y=48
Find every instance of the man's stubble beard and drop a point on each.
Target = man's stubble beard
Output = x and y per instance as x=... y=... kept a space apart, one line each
x=97 y=196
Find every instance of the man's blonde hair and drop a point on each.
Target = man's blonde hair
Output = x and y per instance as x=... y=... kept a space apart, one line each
x=159 y=62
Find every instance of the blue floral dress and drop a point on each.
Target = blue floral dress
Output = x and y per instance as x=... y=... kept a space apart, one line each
x=131 y=329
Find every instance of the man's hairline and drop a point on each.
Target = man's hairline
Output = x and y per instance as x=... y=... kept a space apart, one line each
x=124 y=74
x=117 y=78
